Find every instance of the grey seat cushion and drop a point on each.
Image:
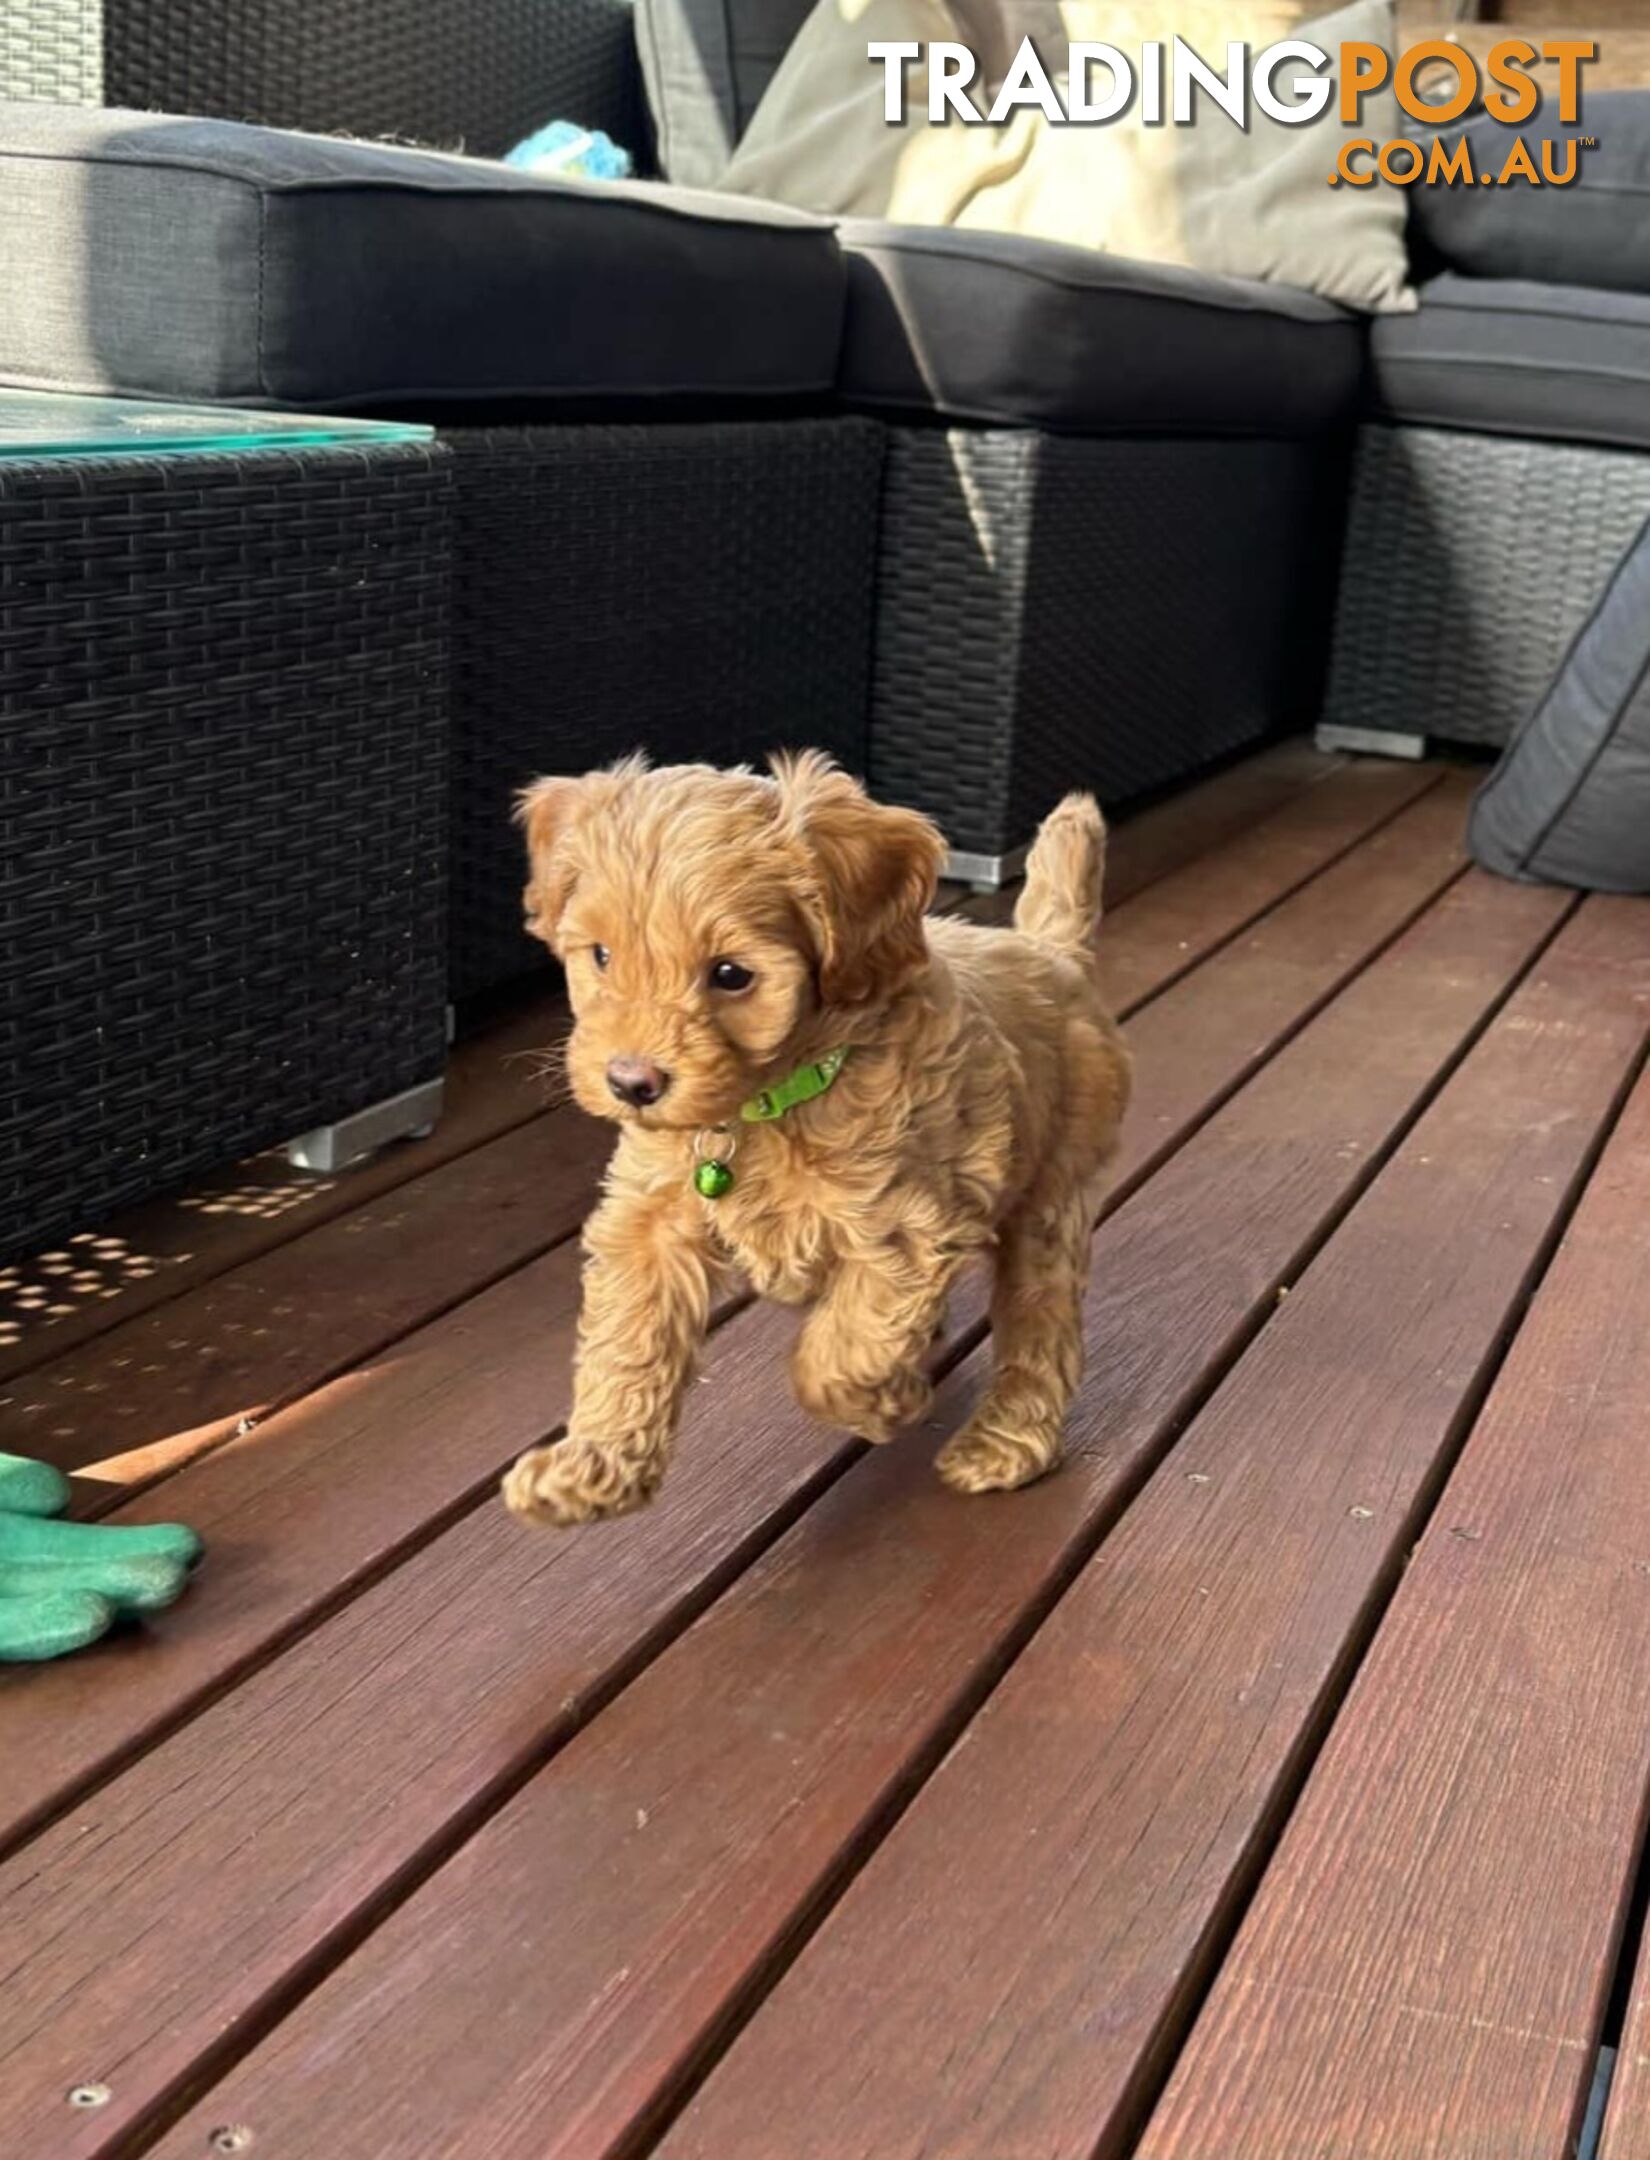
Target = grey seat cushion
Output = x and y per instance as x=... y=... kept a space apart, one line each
x=1594 y=230
x=200 y=259
x=1568 y=363
x=996 y=329
x=1569 y=803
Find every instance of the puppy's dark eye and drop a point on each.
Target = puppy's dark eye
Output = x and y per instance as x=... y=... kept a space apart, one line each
x=599 y=954
x=729 y=975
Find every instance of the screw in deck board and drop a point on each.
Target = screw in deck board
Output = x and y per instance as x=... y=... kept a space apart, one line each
x=230 y=2138
x=89 y=2096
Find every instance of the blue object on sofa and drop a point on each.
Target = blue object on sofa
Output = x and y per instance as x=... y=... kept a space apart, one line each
x=566 y=151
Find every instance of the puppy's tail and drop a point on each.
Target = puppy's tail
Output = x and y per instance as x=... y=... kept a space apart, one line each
x=1059 y=905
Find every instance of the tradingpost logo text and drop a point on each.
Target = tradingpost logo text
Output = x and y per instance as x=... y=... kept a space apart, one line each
x=1292 y=82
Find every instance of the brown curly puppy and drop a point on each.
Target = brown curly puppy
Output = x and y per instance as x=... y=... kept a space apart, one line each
x=820 y=1086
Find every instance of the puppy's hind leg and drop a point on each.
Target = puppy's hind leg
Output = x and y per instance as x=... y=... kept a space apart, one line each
x=1014 y=1436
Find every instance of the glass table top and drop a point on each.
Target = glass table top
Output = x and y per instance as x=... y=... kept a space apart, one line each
x=49 y=424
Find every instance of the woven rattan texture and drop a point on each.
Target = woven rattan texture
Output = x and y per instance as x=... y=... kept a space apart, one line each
x=457 y=74
x=1055 y=613
x=52 y=50
x=952 y=578
x=222 y=800
x=1471 y=562
x=694 y=591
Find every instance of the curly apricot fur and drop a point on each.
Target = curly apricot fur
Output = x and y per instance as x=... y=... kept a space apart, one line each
x=974 y=1116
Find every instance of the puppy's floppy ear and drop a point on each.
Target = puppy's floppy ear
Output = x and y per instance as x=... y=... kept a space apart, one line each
x=548 y=811
x=869 y=873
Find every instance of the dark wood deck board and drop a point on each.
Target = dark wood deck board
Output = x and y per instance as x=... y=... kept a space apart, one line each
x=306 y=1504
x=1178 y=921
x=154 y=1253
x=1151 y=843
x=837 y=1643
x=411 y=1833
x=1190 y=1054
x=1196 y=821
x=1626 y=2134
x=153 y=1393
x=1109 y=1800
x=1426 y=1964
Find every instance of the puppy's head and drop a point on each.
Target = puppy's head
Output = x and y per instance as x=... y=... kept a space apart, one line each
x=713 y=923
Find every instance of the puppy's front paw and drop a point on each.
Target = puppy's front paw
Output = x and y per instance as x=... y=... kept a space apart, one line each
x=577 y=1482
x=983 y=1458
x=873 y=1412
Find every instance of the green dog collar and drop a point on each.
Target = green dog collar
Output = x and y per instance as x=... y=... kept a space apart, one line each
x=713 y=1173
x=798 y=1087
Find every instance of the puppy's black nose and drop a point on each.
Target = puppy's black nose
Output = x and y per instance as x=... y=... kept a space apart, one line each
x=637 y=1081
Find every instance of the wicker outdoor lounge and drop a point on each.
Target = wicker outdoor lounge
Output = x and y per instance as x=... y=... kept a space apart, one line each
x=985 y=517
x=223 y=765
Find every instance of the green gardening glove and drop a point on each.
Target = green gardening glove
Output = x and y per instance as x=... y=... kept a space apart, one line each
x=63 y=1584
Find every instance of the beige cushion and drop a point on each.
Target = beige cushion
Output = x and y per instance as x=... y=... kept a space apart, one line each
x=1209 y=196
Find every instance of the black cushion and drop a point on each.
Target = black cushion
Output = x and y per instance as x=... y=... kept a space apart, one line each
x=1571 y=364
x=200 y=259
x=992 y=328
x=1595 y=230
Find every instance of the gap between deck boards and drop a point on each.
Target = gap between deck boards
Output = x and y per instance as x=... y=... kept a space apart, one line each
x=443 y=1924
x=379 y=1512
x=1448 y=1989
x=178 y=2143
x=344 y=1618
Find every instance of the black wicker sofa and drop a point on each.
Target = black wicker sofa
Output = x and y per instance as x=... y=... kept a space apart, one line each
x=1502 y=465
x=663 y=530
x=474 y=75
x=1109 y=521
x=671 y=416
x=644 y=520
x=1113 y=497
x=987 y=518
x=1134 y=520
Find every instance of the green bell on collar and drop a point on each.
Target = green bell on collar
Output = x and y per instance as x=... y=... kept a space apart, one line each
x=711 y=1179
x=713 y=1174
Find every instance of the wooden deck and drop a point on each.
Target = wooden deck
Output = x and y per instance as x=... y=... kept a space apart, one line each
x=1269 y=1785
